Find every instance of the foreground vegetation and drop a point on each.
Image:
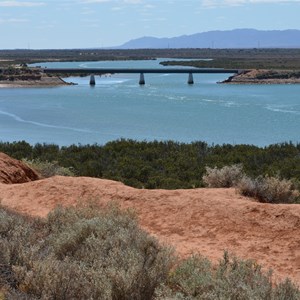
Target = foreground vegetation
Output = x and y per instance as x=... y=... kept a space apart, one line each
x=88 y=253
x=168 y=165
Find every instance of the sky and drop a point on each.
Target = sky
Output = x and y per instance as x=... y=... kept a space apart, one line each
x=61 y=24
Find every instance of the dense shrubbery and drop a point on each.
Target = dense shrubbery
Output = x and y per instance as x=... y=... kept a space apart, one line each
x=167 y=164
x=85 y=253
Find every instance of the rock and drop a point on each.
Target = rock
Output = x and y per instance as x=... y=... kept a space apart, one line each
x=15 y=171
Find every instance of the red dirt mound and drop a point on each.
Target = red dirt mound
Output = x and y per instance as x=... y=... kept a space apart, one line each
x=14 y=171
x=207 y=221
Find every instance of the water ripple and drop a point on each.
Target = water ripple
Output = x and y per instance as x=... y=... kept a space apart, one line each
x=18 y=119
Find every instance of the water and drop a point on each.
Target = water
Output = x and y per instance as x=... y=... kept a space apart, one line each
x=166 y=108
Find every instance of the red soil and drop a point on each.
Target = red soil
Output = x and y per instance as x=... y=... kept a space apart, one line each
x=14 y=171
x=207 y=221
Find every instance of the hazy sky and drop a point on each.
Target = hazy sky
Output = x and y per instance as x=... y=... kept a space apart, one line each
x=41 y=24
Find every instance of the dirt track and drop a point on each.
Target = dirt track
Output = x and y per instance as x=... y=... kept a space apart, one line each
x=207 y=221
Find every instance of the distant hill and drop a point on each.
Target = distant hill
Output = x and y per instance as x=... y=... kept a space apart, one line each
x=237 y=38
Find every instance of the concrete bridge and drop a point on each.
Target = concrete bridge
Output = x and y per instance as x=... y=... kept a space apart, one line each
x=141 y=71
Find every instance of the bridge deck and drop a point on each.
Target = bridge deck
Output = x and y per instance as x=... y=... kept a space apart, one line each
x=140 y=70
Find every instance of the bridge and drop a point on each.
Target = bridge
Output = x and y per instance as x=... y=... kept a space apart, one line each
x=101 y=71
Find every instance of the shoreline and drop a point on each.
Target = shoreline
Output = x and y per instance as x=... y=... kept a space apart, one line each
x=44 y=82
x=259 y=76
x=249 y=77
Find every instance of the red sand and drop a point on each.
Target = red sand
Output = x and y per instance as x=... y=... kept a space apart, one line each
x=14 y=171
x=207 y=221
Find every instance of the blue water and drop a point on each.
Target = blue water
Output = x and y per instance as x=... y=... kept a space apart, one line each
x=165 y=108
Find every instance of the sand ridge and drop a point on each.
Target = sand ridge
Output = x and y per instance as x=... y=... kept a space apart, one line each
x=206 y=221
x=15 y=171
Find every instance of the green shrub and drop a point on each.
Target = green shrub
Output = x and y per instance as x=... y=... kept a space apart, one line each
x=225 y=177
x=269 y=189
x=48 y=169
x=159 y=164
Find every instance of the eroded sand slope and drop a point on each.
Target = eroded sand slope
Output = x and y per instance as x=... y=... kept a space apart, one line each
x=199 y=220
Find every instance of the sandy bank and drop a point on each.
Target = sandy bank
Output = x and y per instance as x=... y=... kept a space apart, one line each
x=207 y=221
x=45 y=81
x=255 y=77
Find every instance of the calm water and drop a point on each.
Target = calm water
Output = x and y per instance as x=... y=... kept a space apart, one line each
x=165 y=108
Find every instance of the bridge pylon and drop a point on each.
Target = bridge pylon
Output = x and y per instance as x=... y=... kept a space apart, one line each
x=92 y=80
x=142 y=79
x=191 y=79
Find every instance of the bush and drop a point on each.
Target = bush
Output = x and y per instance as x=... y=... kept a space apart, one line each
x=162 y=165
x=48 y=169
x=225 y=177
x=85 y=253
x=269 y=189
x=265 y=189
x=82 y=253
x=197 y=278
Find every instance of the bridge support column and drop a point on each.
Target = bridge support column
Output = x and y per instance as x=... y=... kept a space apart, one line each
x=92 y=80
x=142 y=79
x=190 y=79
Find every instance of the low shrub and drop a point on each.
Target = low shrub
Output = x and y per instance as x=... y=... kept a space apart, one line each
x=266 y=189
x=225 y=177
x=197 y=278
x=83 y=253
x=269 y=189
x=48 y=169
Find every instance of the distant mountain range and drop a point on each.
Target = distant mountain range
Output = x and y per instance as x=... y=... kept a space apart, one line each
x=237 y=38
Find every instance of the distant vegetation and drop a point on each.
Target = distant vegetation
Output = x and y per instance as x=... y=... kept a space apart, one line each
x=87 y=253
x=21 y=72
x=168 y=164
x=222 y=58
x=276 y=75
x=228 y=62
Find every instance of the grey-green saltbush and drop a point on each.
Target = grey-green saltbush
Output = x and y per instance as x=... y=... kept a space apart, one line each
x=268 y=189
x=225 y=177
x=83 y=253
x=88 y=253
x=48 y=169
x=196 y=278
x=264 y=189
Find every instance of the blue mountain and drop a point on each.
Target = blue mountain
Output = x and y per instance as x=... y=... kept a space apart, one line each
x=237 y=38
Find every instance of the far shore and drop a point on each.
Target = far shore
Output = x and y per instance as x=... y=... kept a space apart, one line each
x=261 y=77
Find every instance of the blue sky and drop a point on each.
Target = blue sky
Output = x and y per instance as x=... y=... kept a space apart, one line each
x=41 y=24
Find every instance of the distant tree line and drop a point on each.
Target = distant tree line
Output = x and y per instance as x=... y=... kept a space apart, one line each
x=166 y=164
x=222 y=58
